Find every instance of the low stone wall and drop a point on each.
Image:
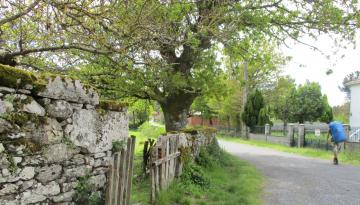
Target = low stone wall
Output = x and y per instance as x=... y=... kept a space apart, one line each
x=271 y=139
x=53 y=132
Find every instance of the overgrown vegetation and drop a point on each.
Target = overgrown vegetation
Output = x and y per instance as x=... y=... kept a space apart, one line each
x=85 y=194
x=15 y=78
x=215 y=178
x=118 y=145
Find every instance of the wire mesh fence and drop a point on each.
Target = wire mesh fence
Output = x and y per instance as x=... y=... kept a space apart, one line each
x=317 y=138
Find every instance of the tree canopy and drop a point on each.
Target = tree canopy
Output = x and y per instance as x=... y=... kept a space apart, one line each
x=159 y=50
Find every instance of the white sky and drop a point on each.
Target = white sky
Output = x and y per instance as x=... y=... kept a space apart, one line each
x=307 y=64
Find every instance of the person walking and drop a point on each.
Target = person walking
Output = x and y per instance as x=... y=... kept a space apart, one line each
x=338 y=137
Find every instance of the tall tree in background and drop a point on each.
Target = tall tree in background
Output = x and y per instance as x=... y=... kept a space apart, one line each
x=306 y=103
x=279 y=98
x=327 y=115
x=253 y=106
x=158 y=50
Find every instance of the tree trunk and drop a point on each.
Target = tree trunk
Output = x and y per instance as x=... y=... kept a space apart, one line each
x=176 y=109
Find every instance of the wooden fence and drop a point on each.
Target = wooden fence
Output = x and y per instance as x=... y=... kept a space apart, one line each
x=120 y=175
x=165 y=163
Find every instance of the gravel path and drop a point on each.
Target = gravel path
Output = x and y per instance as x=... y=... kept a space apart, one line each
x=297 y=180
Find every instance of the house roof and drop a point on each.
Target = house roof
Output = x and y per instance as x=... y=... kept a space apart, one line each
x=353 y=82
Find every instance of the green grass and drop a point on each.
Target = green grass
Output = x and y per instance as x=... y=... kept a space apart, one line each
x=344 y=157
x=228 y=182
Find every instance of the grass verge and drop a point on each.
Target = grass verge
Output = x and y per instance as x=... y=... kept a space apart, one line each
x=344 y=157
x=215 y=178
x=219 y=179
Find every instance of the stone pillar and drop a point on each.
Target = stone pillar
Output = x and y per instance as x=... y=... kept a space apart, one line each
x=301 y=130
x=290 y=135
x=267 y=130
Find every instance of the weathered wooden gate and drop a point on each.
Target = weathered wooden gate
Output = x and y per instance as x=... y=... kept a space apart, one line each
x=120 y=175
x=165 y=163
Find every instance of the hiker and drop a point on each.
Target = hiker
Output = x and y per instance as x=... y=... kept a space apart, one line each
x=338 y=136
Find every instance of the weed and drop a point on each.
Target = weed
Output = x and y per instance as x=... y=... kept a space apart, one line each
x=85 y=193
x=118 y=145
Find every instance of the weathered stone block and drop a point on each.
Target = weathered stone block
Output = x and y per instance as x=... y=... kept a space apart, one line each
x=69 y=90
x=8 y=189
x=49 y=173
x=50 y=189
x=5 y=126
x=77 y=171
x=95 y=132
x=34 y=108
x=98 y=181
x=27 y=173
x=64 y=197
x=6 y=106
x=59 y=109
x=2 y=149
x=59 y=153
x=29 y=198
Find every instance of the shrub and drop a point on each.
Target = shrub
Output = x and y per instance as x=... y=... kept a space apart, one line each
x=194 y=174
x=85 y=193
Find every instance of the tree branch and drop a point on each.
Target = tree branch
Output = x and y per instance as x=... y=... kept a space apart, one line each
x=20 y=14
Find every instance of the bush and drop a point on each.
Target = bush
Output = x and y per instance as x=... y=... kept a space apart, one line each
x=211 y=155
x=85 y=193
x=194 y=174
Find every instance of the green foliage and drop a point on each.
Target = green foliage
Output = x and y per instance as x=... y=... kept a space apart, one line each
x=194 y=174
x=327 y=115
x=85 y=193
x=254 y=104
x=118 y=145
x=139 y=112
x=265 y=116
x=12 y=166
x=306 y=103
x=151 y=131
x=279 y=99
x=232 y=182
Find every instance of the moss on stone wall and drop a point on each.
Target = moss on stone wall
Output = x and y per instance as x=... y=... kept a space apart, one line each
x=21 y=119
x=14 y=77
x=112 y=105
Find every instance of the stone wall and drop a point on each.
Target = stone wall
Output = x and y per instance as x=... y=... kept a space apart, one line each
x=54 y=131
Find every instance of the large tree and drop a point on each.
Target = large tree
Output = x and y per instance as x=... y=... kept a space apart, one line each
x=307 y=103
x=159 y=50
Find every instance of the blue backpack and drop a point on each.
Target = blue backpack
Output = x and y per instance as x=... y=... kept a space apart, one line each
x=337 y=132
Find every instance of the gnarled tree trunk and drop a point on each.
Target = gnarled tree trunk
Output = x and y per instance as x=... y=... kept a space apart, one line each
x=176 y=109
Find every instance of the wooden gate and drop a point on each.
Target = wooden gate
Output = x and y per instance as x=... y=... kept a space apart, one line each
x=165 y=164
x=120 y=175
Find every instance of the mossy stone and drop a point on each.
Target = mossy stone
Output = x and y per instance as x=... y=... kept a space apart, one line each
x=112 y=105
x=14 y=77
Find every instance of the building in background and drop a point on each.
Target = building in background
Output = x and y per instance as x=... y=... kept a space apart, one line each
x=354 y=88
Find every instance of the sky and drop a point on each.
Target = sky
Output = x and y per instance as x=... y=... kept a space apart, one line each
x=308 y=64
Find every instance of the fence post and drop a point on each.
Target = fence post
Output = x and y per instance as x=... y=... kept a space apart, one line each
x=290 y=136
x=347 y=132
x=301 y=130
x=267 y=130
